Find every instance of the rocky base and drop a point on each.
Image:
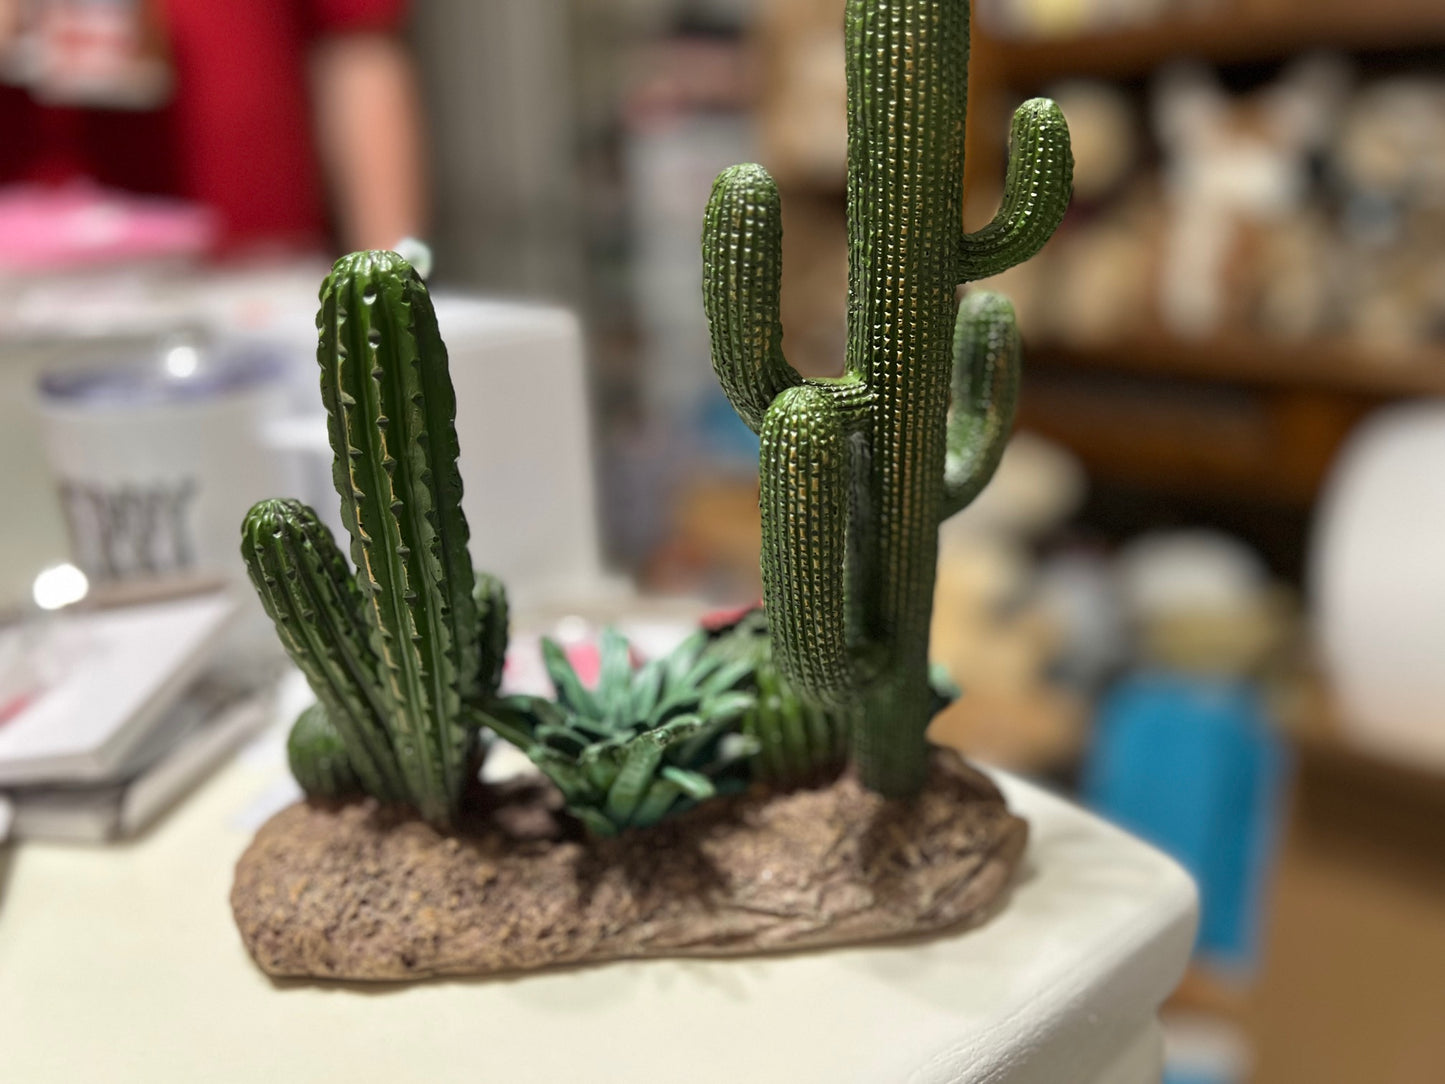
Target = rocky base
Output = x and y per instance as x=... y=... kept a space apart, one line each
x=358 y=892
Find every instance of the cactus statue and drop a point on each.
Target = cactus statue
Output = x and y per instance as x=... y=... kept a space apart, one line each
x=395 y=652
x=858 y=471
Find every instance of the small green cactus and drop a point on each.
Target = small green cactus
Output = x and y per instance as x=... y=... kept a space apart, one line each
x=309 y=593
x=642 y=745
x=395 y=652
x=795 y=743
x=858 y=471
x=317 y=754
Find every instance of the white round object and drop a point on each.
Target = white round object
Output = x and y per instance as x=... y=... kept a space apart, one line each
x=1378 y=572
x=1189 y=572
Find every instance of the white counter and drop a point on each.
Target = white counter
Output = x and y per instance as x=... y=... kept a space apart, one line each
x=122 y=965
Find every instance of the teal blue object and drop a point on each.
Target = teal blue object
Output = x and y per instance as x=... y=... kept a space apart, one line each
x=1192 y=765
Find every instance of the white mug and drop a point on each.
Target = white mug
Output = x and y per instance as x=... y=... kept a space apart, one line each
x=156 y=461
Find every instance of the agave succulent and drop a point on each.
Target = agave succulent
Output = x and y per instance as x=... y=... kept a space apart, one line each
x=643 y=744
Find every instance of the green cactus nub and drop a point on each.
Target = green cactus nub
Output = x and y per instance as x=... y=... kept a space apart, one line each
x=986 y=357
x=857 y=473
x=317 y=754
x=1036 y=193
x=743 y=279
x=493 y=617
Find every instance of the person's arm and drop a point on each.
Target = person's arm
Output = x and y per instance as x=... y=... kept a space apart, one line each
x=370 y=131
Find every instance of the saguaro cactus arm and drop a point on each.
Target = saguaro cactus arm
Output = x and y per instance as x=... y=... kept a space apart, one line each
x=986 y=355
x=804 y=498
x=391 y=407
x=1036 y=193
x=307 y=590
x=743 y=274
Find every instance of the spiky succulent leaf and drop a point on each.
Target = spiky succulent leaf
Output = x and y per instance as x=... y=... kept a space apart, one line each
x=644 y=743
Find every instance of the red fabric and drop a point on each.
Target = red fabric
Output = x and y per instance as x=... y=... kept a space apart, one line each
x=237 y=133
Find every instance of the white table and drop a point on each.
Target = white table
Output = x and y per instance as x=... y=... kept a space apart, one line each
x=122 y=965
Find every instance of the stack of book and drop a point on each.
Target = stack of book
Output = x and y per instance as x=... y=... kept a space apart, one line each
x=108 y=718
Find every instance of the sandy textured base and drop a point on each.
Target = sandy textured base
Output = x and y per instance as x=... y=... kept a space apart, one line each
x=354 y=892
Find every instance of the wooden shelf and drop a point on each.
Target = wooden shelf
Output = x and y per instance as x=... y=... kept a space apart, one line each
x=1323 y=366
x=1220 y=39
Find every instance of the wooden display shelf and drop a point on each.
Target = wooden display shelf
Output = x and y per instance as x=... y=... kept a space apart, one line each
x=1329 y=365
x=1221 y=38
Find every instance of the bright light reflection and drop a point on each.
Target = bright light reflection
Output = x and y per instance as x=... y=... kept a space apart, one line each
x=571 y=630
x=182 y=361
x=60 y=586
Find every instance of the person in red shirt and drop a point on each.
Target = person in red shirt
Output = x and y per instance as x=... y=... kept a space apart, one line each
x=272 y=106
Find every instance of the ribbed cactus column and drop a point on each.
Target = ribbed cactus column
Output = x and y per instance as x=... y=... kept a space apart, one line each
x=857 y=472
x=307 y=590
x=391 y=411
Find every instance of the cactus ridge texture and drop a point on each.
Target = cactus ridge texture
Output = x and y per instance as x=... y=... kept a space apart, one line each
x=493 y=615
x=644 y=743
x=795 y=742
x=857 y=472
x=309 y=593
x=391 y=411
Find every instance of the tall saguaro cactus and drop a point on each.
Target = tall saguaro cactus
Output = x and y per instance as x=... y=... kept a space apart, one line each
x=858 y=471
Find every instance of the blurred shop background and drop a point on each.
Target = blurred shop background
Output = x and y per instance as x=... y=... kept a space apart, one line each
x=1206 y=593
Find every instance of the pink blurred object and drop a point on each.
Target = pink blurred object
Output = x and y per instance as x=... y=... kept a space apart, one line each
x=80 y=225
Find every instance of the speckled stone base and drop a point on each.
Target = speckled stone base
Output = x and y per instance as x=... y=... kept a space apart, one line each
x=357 y=892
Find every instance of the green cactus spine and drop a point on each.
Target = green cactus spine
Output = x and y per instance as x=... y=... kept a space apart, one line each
x=391 y=411
x=857 y=472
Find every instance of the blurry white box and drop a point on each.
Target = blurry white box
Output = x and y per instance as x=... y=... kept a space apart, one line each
x=525 y=435
x=1378 y=583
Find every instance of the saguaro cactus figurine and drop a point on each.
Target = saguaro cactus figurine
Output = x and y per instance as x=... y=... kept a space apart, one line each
x=859 y=470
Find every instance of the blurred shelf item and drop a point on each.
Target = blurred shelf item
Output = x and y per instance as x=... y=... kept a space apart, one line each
x=1235 y=32
x=1038 y=732
x=1350 y=987
x=1197 y=437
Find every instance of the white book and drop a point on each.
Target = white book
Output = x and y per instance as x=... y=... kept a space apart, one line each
x=195 y=739
x=110 y=678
